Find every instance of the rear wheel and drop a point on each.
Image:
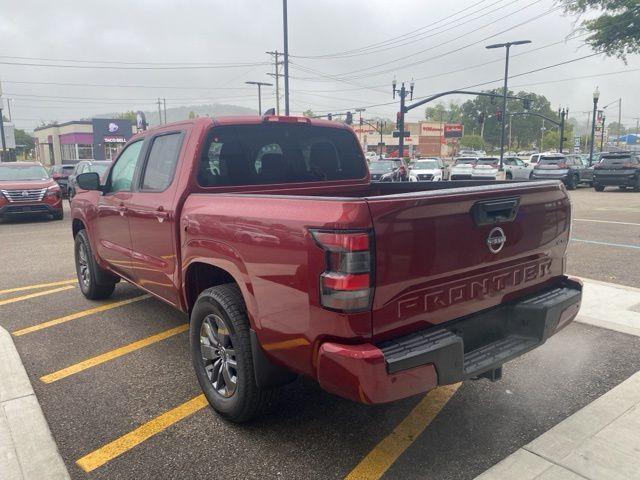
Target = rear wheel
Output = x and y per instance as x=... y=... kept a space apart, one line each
x=622 y=187
x=89 y=272
x=599 y=188
x=572 y=182
x=58 y=215
x=509 y=176
x=221 y=354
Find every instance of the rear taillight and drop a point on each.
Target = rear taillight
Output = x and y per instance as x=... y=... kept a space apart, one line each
x=598 y=166
x=347 y=282
x=55 y=176
x=563 y=165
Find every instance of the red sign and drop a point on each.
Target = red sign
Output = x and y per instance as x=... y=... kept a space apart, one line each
x=453 y=130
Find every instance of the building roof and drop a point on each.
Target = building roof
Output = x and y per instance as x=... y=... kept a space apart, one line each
x=72 y=122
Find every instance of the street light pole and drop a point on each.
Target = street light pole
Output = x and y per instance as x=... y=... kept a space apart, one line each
x=260 y=84
x=602 y=134
x=505 y=92
x=563 y=114
x=403 y=92
x=596 y=96
x=286 y=57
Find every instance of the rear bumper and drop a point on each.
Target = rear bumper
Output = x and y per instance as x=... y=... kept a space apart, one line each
x=461 y=349
x=460 y=176
x=616 y=180
x=563 y=177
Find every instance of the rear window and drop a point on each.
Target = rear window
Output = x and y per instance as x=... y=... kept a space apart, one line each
x=619 y=160
x=465 y=161
x=279 y=153
x=552 y=161
x=488 y=161
x=381 y=167
x=426 y=165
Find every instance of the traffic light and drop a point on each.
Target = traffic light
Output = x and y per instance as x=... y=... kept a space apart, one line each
x=481 y=118
x=329 y=116
x=492 y=97
x=526 y=103
x=348 y=118
x=499 y=115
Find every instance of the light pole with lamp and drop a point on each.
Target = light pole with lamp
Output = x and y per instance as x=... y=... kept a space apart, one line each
x=507 y=46
x=260 y=84
x=596 y=96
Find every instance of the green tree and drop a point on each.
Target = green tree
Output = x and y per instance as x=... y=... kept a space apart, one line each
x=473 y=142
x=130 y=115
x=441 y=113
x=308 y=113
x=616 y=29
x=192 y=115
x=23 y=138
x=616 y=128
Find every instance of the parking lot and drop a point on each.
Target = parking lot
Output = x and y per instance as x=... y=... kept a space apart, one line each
x=116 y=384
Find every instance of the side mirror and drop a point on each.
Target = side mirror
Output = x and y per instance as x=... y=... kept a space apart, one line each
x=89 y=181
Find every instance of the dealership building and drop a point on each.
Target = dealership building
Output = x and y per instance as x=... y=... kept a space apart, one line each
x=70 y=142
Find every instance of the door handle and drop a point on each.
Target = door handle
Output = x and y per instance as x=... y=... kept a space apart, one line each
x=122 y=209
x=161 y=214
x=489 y=212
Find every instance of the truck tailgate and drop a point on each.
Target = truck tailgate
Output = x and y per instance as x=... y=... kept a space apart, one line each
x=444 y=254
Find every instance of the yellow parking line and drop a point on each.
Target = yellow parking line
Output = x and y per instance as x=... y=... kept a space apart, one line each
x=39 y=285
x=36 y=294
x=83 y=313
x=114 y=449
x=113 y=354
x=385 y=453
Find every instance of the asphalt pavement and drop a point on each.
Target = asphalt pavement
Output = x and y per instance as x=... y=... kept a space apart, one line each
x=115 y=381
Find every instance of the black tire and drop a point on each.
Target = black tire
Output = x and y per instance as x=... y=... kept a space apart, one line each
x=599 y=188
x=508 y=176
x=88 y=279
x=622 y=187
x=244 y=400
x=58 y=215
x=572 y=182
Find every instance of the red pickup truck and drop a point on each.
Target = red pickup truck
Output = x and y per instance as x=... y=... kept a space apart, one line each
x=268 y=232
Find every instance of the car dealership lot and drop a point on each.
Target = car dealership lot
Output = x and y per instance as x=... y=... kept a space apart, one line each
x=116 y=384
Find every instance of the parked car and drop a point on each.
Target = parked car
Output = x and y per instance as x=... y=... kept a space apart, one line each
x=400 y=173
x=26 y=189
x=586 y=174
x=467 y=153
x=427 y=169
x=378 y=168
x=567 y=168
x=328 y=278
x=99 y=166
x=462 y=168
x=60 y=173
x=516 y=169
x=485 y=168
x=621 y=170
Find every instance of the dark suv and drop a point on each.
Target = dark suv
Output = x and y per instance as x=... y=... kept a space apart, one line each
x=620 y=170
x=568 y=168
x=60 y=173
x=101 y=167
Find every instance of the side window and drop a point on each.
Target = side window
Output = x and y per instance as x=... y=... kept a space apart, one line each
x=124 y=168
x=161 y=164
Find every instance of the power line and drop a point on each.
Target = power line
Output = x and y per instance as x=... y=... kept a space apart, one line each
x=120 y=62
x=397 y=43
x=114 y=85
x=112 y=67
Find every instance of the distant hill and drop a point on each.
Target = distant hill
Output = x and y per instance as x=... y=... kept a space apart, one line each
x=182 y=113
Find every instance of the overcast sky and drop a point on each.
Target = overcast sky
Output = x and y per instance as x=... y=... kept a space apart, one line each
x=428 y=39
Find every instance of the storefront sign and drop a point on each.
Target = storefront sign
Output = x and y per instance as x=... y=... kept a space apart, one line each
x=431 y=129
x=115 y=139
x=453 y=130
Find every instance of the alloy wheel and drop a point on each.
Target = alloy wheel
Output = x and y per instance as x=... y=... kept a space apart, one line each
x=83 y=263
x=218 y=355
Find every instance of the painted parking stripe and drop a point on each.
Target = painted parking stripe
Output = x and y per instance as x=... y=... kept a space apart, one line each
x=38 y=285
x=113 y=354
x=36 y=294
x=385 y=453
x=74 y=316
x=114 y=449
x=608 y=244
x=606 y=221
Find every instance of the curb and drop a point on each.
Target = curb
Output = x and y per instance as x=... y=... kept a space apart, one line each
x=27 y=448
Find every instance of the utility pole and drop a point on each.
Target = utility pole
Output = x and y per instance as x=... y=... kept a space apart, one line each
x=510 y=119
x=619 y=121
x=4 y=143
x=164 y=103
x=260 y=84
x=602 y=134
x=159 y=112
x=542 y=135
x=277 y=76
x=286 y=57
x=403 y=93
x=484 y=120
x=9 y=108
x=360 y=110
x=596 y=96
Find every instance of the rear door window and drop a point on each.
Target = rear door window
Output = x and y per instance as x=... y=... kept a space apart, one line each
x=279 y=153
x=161 y=162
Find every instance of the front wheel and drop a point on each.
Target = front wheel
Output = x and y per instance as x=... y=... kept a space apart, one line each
x=89 y=272
x=58 y=215
x=221 y=354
